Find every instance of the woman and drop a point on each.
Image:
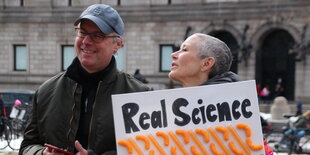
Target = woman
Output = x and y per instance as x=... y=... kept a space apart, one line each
x=300 y=128
x=303 y=121
x=204 y=60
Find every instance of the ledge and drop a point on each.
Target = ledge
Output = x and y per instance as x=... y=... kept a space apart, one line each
x=158 y=13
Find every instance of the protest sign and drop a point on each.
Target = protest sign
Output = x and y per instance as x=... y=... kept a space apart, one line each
x=213 y=119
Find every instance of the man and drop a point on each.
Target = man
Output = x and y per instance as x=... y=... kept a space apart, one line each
x=73 y=110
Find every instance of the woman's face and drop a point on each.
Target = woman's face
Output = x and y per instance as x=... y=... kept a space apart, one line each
x=186 y=66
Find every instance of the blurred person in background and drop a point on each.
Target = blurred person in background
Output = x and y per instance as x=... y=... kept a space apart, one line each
x=2 y=114
x=298 y=106
x=301 y=126
x=2 y=109
x=139 y=76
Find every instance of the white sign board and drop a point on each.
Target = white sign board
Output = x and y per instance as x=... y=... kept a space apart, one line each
x=213 y=119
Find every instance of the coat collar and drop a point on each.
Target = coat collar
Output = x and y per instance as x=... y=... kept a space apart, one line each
x=223 y=78
x=77 y=73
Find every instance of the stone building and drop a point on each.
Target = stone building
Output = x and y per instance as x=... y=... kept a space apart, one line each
x=269 y=38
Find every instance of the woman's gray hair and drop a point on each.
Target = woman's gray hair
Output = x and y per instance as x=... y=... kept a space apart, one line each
x=212 y=47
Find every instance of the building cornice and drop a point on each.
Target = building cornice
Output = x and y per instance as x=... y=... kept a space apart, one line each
x=163 y=13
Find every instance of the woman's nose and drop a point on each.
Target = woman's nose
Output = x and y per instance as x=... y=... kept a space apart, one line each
x=174 y=54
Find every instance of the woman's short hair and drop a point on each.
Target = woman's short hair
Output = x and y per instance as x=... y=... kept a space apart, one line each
x=212 y=47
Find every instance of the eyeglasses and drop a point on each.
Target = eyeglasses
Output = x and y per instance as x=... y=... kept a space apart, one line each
x=95 y=36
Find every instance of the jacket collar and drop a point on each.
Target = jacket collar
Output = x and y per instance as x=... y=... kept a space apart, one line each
x=77 y=73
x=223 y=78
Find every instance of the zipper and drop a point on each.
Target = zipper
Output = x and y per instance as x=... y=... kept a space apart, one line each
x=86 y=104
x=91 y=119
x=72 y=116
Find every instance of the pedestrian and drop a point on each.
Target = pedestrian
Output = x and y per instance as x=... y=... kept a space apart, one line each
x=298 y=106
x=265 y=93
x=279 y=90
x=300 y=129
x=73 y=110
x=258 y=89
x=303 y=122
x=2 y=109
x=2 y=114
x=139 y=76
x=170 y=84
x=16 y=110
x=203 y=60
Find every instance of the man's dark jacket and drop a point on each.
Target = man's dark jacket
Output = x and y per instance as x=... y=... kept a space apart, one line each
x=57 y=107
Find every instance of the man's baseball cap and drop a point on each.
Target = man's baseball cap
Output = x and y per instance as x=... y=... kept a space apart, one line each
x=105 y=17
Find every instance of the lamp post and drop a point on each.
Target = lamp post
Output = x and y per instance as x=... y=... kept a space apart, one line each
x=245 y=47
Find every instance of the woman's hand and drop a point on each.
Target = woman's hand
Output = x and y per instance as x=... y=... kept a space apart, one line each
x=80 y=149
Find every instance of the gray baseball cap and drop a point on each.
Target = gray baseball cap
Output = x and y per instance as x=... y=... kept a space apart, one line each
x=105 y=17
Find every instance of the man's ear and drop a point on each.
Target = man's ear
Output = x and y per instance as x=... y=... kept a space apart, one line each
x=119 y=44
x=207 y=64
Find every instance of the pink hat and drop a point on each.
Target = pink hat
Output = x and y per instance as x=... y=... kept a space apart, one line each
x=17 y=102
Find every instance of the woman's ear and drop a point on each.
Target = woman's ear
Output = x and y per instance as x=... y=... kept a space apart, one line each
x=207 y=64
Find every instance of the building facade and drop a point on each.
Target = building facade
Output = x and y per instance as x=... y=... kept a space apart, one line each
x=269 y=39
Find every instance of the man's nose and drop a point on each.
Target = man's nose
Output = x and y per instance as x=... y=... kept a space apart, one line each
x=87 y=39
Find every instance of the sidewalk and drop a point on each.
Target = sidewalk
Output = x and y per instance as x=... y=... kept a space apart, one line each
x=8 y=153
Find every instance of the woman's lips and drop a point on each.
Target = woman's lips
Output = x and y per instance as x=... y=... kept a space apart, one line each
x=173 y=65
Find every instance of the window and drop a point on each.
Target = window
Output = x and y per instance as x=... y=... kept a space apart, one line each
x=68 y=54
x=165 y=57
x=20 y=58
x=21 y=2
x=120 y=58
